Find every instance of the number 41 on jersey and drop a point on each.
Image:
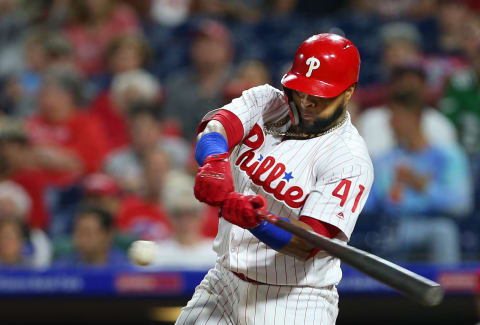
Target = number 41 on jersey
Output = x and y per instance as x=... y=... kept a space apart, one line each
x=342 y=190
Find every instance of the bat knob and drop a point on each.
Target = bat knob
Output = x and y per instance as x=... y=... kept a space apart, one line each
x=433 y=296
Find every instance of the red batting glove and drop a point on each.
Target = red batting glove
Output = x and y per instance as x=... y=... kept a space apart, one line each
x=214 y=180
x=241 y=210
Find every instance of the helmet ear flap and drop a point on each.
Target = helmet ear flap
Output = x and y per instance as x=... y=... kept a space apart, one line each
x=293 y=111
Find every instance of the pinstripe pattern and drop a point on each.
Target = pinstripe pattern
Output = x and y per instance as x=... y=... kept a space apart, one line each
x=297 y=177
x=222 y=298
x=317 y=165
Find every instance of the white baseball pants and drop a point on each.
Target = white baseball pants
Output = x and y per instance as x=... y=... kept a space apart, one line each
x=223 y=298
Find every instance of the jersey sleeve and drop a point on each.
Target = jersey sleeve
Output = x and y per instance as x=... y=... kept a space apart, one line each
x=339 y=196
x=255 y=105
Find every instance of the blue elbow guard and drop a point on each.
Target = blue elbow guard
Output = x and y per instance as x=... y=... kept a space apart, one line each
x=273 y=236
x=209 y=144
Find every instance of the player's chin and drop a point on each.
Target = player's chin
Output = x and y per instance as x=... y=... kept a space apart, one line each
x=312 y=126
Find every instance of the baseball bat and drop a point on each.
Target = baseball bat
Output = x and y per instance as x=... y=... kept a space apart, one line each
x=414 y=286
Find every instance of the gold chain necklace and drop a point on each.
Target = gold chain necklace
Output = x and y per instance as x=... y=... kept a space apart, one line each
x=268 y=129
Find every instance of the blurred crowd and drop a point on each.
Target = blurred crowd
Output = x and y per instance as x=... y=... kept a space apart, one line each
x=100 y=101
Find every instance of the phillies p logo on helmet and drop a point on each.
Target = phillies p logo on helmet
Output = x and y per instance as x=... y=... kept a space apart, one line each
x=313 y=64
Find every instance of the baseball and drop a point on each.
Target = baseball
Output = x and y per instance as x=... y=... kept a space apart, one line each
x=142 y=252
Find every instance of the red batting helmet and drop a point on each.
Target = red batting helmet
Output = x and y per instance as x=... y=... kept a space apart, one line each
x=325 y=65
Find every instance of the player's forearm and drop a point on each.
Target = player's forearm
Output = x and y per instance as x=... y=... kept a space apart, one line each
x=297 y=247
x=211 y=141
x=275 y=237
x=213 y=126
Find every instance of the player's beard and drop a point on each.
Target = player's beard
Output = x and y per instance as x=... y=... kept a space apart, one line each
x=320 y=124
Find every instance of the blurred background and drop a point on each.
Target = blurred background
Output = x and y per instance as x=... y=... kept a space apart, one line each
x=99 y=103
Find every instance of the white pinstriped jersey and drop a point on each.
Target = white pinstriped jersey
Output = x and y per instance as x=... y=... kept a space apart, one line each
x=327 y=178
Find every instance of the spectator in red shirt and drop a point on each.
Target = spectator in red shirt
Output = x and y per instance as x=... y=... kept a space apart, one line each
x=24 y=164
x=94 y=24
x=70 y=139
x=112 y=108
x=143 y=215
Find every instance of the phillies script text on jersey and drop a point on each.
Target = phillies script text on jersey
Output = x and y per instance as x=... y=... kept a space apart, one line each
x=293 y=195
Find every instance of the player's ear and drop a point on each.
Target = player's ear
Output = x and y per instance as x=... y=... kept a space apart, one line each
x=349 y=92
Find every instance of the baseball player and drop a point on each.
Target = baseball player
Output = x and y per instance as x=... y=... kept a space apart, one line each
x=295 y=154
